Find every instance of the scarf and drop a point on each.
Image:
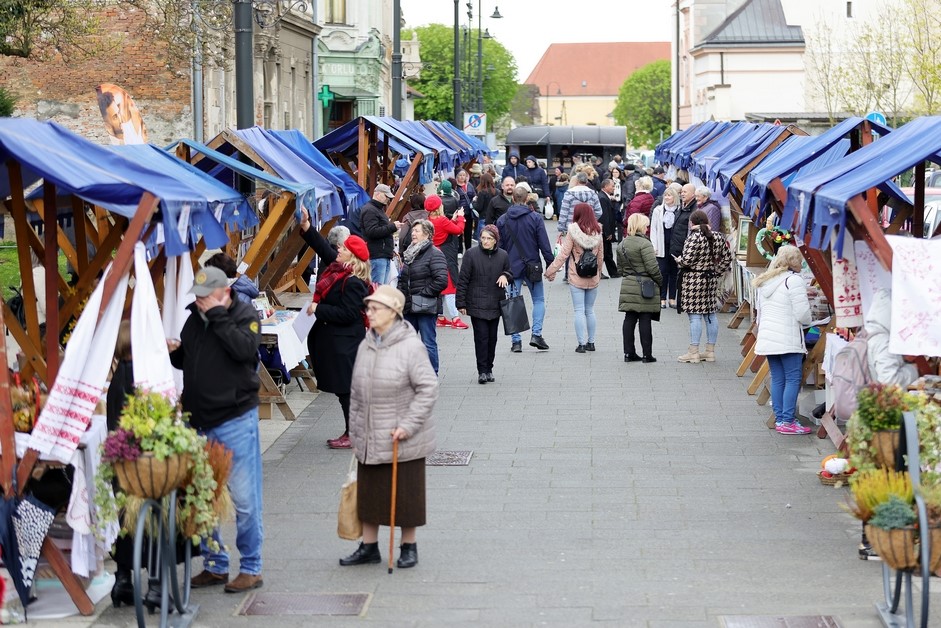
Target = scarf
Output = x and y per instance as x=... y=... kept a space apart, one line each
x=414 y=249
x=333 y=273
x=669 y=216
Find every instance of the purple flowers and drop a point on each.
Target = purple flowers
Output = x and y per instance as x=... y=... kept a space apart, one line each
x=121 y=444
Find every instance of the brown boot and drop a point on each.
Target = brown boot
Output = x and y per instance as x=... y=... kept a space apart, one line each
x=244 y=582
x=691 y=356
x=208 y=579
x=709 y=355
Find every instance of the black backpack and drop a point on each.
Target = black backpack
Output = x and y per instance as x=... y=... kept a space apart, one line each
x=587 y=265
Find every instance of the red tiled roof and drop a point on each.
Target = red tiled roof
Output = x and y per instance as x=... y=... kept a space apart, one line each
x=602 y=66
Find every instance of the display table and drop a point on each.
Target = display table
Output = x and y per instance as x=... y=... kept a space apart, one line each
x=281 y=330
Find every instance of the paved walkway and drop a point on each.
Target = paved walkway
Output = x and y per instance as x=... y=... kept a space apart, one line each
x=599 y=492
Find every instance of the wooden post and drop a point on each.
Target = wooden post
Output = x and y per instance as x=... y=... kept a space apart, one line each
x=51 y=263
x=362 y=157
x=918 y=217
x=412 y=169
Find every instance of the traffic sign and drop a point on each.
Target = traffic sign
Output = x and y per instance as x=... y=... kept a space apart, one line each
x=475 y=123
x=876 y=116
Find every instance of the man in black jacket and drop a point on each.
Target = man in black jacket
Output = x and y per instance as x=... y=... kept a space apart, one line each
x=681 y=224
x=377 y=231
x=501 y=202
x=218 y=353
x=609 y=227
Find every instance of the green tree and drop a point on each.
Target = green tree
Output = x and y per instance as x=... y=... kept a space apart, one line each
x=643 y=104
x=45 y=28
x=436 y=81
x=7 y=102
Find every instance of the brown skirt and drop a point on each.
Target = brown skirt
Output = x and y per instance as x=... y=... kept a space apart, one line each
x=374 y=493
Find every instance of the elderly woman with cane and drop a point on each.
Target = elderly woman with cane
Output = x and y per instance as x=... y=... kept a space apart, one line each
x=394 y=390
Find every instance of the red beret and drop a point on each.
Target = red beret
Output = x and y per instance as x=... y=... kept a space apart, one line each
x=357 y=246
x=432 y=203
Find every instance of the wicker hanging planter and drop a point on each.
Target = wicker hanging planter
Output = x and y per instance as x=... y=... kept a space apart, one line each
x=150 y=477
x=895 y=547
x=934 y=560
x=885 y=444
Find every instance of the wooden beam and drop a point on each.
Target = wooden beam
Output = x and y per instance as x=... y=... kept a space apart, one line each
x=267 y=236
x=81 y=240
x=373 y=156
x=872 y=231
x=918 y=214
x=124 y=256
x=7 y=437
x=51 y=262
x=362 y=157
x=26 y=266
x=409 y=174
x=29 y=346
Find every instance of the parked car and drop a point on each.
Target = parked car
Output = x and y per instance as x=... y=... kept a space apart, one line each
x=932 y=206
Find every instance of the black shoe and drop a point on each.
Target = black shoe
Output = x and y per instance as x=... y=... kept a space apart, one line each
x=629 y=357
x=603 y=276
x=590 y=346
x=152 y=601
x=490 y=377
x=408 y=555
x=482 y=378
x=647 y=359
x=366 y=554
x=538 y=342
x=580 y=349
x=123 y=590
x=517 y=347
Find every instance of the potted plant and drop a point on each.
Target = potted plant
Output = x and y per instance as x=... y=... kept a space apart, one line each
x=152 y=452
x=931 y=493
x=892 y=534
x=873 y=430
x=871 y=487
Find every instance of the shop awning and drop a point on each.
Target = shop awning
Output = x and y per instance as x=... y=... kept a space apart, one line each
x=821 y=197
x=108 y=179
x=680 y=154
x=351 y=194
x=728 y=165
x=703 y=160
x=291 y=167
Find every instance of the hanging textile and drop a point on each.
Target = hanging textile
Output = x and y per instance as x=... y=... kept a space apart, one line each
x=916 y=296
x=176 y=297
x=872 y=276
x=847 y=301
x=152 y=369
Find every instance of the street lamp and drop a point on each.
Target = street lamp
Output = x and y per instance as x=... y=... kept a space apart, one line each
x=481 y=36
x=558 y=92
x=458 y=114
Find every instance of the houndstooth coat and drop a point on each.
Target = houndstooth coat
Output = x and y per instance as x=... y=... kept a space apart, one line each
x=700 y=269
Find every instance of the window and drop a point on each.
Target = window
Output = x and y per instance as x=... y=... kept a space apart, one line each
x=849 y=9
x=336 y=11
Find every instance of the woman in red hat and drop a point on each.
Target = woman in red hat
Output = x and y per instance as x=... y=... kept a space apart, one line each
x=447 y=238
x=341 y=316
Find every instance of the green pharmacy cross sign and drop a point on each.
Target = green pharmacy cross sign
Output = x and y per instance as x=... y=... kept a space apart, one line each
x=325 y=95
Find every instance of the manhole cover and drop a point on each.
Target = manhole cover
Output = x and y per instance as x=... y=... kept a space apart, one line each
x=449 y=459
x=771 y=621
x=305 y=604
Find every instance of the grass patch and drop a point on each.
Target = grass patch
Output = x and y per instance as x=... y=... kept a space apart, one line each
x=10 y=268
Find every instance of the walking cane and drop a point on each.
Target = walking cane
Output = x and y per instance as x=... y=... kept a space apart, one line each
x=395 y=484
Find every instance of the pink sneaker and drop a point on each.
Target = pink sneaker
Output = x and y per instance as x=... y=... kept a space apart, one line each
x=792 y=428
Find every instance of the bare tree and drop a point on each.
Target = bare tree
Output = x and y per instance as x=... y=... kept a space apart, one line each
x=44 y=29
x=188 y=28
x=822 y=66
x=922 y=21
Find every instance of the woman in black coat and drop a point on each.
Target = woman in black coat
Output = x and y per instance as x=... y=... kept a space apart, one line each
x=340 y=326
x=485 y=274
x=422 y=278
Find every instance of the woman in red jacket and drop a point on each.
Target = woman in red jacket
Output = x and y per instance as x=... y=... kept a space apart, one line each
x=448 y=232
x=642 y=202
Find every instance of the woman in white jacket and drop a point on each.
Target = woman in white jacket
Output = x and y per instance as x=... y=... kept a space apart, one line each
x=783 y=310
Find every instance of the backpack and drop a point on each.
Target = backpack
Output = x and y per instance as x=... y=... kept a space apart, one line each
x=587 y=265
x=850 y=375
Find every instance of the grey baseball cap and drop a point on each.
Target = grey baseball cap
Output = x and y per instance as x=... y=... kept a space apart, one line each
x=208 y=279
x=385 y=189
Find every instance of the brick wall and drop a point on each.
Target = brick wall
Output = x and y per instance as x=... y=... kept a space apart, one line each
x=65 y=91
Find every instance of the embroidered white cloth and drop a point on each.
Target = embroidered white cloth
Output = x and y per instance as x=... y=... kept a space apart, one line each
x=152 y=368
x=872 y=275
x=176 y=296
x=87 y=552
x=916 y=296
x=847 y=301
x=82 y=377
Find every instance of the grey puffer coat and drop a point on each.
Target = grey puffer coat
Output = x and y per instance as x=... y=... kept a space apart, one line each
x=393 y=386
x=636 y=255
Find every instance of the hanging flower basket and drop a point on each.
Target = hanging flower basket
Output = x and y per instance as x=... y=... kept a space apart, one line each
x=934 y=560
x=895 y=547
x=150 y=477
x=884 y=444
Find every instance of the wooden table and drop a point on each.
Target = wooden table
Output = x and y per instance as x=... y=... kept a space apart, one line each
x=294 y=300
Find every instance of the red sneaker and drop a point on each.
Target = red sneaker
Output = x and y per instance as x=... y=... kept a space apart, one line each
x=340 y=443
x=443 y=322
x=457 y=323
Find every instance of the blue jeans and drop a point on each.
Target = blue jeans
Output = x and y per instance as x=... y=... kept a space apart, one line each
x=379 y=270
x=424 y=324
x=695 y=328
x=786 y=370
x=583 y=299
x=240 y=436
x=539 y=305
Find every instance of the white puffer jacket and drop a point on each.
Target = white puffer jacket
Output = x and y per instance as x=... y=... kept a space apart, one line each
x=885 y=367
x=782 y=309
x=393 y=386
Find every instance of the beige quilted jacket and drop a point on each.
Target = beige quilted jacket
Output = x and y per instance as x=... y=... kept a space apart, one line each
x=393 y=386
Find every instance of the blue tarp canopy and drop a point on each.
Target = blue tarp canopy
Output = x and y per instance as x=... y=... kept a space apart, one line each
x=227 y=169
x=448 y=153
x=681 y=154
x=703 y=160
x=477 y=146
x=347 y=136
x=661 y=150
x=288 y=165
x=351 y=194
x=813 y=154
x=821 y=197
x=754 y=145
x=108 y=179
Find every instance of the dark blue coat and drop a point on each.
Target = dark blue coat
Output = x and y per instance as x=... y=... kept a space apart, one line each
x=537 y=179
x=523 y=236
x=513 y=170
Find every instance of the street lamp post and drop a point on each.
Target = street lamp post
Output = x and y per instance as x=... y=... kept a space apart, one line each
x=559 y=88
x=458 y=114
x=244 y=89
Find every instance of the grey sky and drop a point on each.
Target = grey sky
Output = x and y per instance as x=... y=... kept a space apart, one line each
x=528 y=28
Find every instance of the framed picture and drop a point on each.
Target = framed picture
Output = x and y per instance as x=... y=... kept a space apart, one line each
x=744 y=235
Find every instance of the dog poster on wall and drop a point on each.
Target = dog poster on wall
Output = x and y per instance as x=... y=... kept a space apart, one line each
x=122 y=119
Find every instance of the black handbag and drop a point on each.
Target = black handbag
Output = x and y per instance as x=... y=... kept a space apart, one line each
x=513 y=311
x=424 y=305
x=648 y=287
x=533 y=270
